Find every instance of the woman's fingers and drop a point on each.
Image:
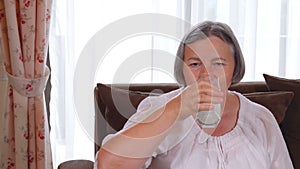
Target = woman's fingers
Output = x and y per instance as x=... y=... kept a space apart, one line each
x=210 y=99
x=205 y=92
x=199 y=96
x=207 y=95
x=205 y=106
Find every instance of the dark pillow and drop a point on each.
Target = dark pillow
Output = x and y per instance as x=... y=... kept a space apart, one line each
x=276 y=102
x=290 y=126
x=120 y=104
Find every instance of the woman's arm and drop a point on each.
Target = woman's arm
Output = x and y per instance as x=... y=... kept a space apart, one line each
x=132 y=147
x=107 y=160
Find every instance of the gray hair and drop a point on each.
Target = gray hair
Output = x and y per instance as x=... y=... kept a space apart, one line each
x=202 y=31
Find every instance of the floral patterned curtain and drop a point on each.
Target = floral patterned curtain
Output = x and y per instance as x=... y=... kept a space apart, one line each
x=25 y=141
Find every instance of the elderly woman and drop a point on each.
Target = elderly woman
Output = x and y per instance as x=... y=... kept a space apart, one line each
x=166 y=132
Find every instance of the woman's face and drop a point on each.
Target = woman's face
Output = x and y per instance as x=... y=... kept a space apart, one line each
x=206 y=57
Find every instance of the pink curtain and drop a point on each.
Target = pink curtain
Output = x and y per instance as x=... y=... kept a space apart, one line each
x=24 y=43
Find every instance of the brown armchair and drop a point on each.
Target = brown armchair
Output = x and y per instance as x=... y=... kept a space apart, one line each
x=115 y=103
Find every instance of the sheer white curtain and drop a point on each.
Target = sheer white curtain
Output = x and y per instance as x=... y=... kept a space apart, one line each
x=73 y=26
x=62 y=60
x=267 y=31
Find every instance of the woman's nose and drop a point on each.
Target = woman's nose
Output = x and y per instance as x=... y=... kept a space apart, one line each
x=203 y=71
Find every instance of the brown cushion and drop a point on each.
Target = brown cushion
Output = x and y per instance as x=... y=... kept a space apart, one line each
x=276 y=102
x=290 y=126
x=120 y=104
x=249 y=87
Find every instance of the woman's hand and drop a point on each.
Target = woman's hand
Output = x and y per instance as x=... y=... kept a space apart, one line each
x=197 y=97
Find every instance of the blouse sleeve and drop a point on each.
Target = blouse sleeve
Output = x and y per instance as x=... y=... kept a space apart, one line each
x=145 y=108
x=276 y=146
x=134 y=119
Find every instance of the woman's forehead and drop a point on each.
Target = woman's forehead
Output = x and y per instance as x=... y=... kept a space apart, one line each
x=212 y=46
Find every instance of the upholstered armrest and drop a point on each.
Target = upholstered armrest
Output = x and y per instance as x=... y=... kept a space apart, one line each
x=76 y=164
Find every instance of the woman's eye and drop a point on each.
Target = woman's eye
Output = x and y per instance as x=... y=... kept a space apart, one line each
x=194 y=65
x=219 y=63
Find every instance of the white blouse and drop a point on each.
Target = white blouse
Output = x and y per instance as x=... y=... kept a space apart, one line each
x=255 y=142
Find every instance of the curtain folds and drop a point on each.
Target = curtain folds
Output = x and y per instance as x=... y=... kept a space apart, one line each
x=25 y=141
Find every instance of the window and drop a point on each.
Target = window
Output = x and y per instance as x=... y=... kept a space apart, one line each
x=268 y=32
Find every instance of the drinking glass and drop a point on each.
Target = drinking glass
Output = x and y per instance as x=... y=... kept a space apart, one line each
x=210 y=118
